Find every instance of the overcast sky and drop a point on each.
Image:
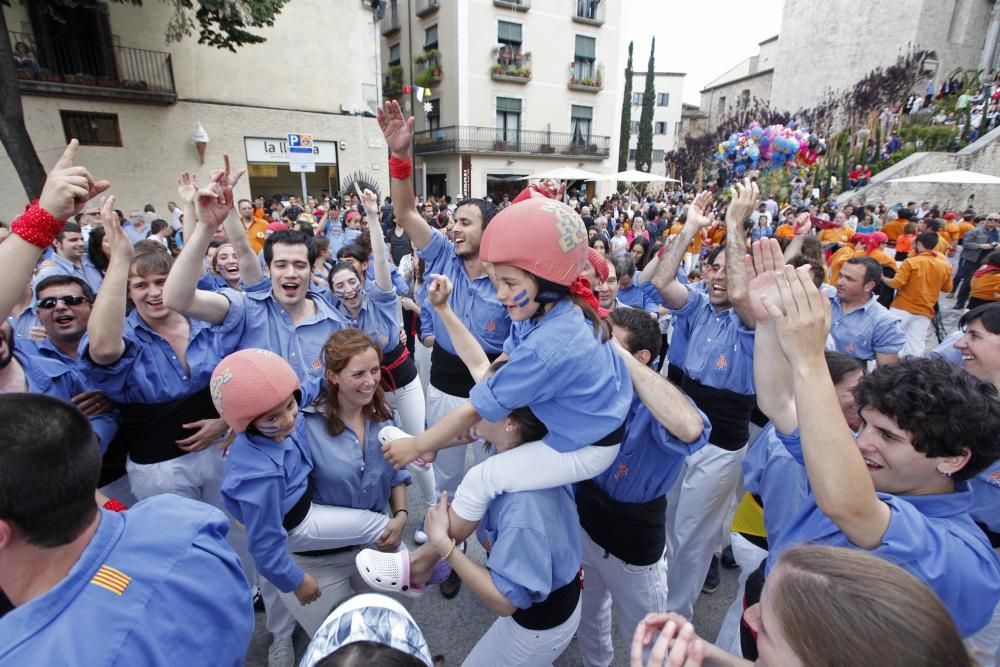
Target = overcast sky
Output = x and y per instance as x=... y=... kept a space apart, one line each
x=702 y=38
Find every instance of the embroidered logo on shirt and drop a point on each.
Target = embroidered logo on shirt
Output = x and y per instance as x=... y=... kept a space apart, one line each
x=621 y=472
x=995 y=477
x=111 y=579
x=316 y=363
x=850 y=348
x=491 y=326
x=721 y=364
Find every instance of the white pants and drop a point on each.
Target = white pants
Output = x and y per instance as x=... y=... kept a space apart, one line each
x=422 y=358
x=633 y=590
x=409 y=402
x=915 y=327
x=696 y=508
x=324 y=527
x=529 y=467
x=196 y=475
x=985 y=644
x=449 y=466
x=749 y=557
x=507 y=643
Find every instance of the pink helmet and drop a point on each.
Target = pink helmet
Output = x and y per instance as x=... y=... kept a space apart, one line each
x=250 y=383
x=542 y=236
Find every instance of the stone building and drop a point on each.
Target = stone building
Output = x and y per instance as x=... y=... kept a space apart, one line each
x=515 y=87
x=108 y=78
x=669 y=87
x=749 y=80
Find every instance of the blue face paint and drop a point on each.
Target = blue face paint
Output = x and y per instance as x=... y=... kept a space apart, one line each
x=521 y=299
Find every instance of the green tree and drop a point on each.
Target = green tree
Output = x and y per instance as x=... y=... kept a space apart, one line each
x=644 y=149
x=223 y=24
x=626 y=130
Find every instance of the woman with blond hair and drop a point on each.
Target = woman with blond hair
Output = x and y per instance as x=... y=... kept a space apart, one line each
x=824 y=607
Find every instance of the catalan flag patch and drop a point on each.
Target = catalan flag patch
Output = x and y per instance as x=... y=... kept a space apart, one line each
x=111 y=579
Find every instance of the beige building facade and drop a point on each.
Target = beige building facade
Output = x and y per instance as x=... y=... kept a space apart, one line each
x=751 y=79
x=669 y=87
x=515 y=87
x=111 y=80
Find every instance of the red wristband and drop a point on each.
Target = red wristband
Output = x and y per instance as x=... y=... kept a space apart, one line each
x=37 y=226
x=400 y=169
x=115 y=505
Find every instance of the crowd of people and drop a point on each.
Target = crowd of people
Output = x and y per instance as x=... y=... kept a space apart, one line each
x=237 y=400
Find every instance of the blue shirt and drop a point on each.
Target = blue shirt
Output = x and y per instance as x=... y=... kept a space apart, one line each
x=986 y=497
x=54 y=377
x=21 y=324
x=946 y=348
x=533 y=538
x=86 y=272
x=575 y=384
x=263 y=480
x=341 y=475
x=379 y=316
x=149 y=370
x=865 y=331
x=399 y=283
x=650 y=458
x=931 y=537
x=636 y=297
x=266 y=324
x=148 y=577
x=474 y=301
x=770 y=472
x=722 y=352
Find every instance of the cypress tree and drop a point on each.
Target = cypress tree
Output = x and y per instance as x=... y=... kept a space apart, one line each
x=644 y=149
x=626 y=128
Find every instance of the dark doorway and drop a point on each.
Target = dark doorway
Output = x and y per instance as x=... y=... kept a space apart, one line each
x=78 y=44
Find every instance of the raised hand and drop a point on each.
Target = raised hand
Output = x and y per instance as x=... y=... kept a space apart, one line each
x=121 y=244
x=214 y=201
x=699 y=212
x=369 y=201
x=68 y=188
x=676 y=644
x=232 y=178
x=397 y=130
x=744 y=201
x=803 y=224
x=763 y=266
x=187 y=187
x=802 y=318
x=439 y=290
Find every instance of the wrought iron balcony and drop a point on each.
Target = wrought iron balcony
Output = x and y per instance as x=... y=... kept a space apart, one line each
x=69 y=68
x=586 y=76
x=390 y=22
x=471 y=139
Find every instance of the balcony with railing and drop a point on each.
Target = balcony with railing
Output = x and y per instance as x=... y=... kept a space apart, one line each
x=429 y=72
x=586 y=75
x=590 y=12
x=392 y=87
x=390 y=22
x=511 y=65
x=70 y=68
x=543 y=143
x=516 y=5
x=427 y=7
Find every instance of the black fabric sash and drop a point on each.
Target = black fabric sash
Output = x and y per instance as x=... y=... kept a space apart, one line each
x=151 y=430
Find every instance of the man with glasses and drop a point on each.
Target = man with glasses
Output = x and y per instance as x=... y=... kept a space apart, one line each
x=976 y=245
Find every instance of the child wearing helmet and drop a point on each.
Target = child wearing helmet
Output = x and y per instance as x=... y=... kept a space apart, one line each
x=266 y=485
x=559 y=363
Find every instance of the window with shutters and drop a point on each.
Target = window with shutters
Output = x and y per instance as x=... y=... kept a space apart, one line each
x=580 y=122
x=509 y=121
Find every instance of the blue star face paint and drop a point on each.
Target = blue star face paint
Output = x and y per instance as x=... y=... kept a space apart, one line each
x=521 y=299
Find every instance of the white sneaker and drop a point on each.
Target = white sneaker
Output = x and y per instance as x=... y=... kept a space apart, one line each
x=420 y=535
x=281 y=653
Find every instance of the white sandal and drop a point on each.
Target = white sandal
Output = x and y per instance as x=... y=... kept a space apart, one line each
x=390 y=433
x=387 y=572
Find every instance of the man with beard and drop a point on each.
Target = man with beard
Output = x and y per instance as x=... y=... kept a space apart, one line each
x=717 y=366
x=473 y=299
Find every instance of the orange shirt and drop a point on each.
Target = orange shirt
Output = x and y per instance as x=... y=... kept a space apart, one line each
x=943 y=243
x=882 y=257
x=953 y=231
x=893 y=228
x=919 y=281
x=717 y=235
x=675 y=229
x=963 y=229
x=785 y=231
x=256 y=233
x=986 y=286
x=905 y=242
x=838 y=260
x=695 y=247
x=836 y=235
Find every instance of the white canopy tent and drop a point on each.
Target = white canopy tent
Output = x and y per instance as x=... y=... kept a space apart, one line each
x=635 y=176
x=565 y=174
x=955 y=176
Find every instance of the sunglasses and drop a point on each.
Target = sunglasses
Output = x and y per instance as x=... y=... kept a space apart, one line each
x=49 y=302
